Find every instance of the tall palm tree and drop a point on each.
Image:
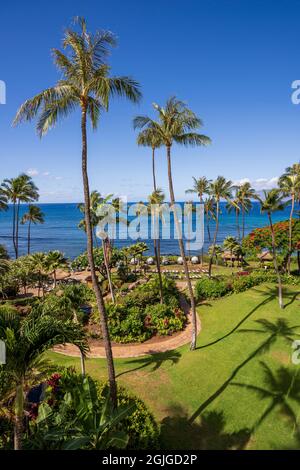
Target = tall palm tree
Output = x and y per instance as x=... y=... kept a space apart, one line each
x=234 y=205
x=219 y=189
x=200 y=187
x=176 y=124
x=273 y=202
x=244 y=195
x=26 y=341
x=210 y=212
x=156 y=199
x=3 y=201
x=34 y=215
x=86 y=85
x=149 y=138
x=290 y=186
x=18 y=190
x=55 y=260
x=95 y=200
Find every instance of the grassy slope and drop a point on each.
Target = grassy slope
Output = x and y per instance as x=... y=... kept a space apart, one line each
x=179 y=386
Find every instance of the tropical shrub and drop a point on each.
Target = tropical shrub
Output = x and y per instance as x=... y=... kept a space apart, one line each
x=163 y=319
x=211 y=288
x=72 y=417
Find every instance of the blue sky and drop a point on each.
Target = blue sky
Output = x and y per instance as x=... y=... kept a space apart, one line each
x=233 y=61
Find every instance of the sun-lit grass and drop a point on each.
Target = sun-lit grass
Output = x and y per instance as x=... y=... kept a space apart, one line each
x=192 y=393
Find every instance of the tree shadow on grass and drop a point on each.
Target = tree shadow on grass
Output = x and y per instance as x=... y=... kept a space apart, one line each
x=278 y=329
x=155 y=360
x=208 y=433
x=281 y=389
x=272 y=294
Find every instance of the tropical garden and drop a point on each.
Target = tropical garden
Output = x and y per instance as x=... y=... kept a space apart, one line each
x=119 y=349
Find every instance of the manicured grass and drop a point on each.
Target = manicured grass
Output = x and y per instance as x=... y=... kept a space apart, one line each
x=193 y=394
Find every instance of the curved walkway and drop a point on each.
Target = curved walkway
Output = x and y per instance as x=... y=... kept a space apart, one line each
x=152 y=346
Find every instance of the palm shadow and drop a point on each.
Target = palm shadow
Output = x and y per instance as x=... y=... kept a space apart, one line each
x=209 y=433
x=272 y=294
x=278 y=329
x=281 y=389
x=155 y=360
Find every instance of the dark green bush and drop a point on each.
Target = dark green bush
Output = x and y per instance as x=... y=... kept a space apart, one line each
x=213 y=288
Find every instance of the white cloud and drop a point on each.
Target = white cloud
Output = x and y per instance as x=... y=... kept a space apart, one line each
x=32 y=172
x=46 y=173
x=259 y=183
x=58 y=177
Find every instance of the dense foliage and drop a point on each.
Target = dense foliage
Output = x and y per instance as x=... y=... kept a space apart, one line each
x=139 y=315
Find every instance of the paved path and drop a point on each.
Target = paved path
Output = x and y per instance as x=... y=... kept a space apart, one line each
x=152 y=346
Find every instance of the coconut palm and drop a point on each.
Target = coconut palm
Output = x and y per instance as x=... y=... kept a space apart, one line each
x=200 y=187
x=26 y=341
x=232 y=245
x=273 y=202
x=33 y=216
x=17 y=190
x=55 y=260
x=156 y=200
x=87 y=85
x=219 y=189
x=95 y=200
x=234 y=205
x=3 y=201
x=210 y=212
x=40 y=267
x=176 y=124
x=244 y=195
x=149 y=138
x=290 y=186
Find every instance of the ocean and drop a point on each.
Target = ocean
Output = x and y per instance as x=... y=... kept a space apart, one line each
x=60 y=230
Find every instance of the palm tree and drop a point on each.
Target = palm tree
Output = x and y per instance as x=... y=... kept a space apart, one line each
x=219 y=189
x=39 y=266
x=234 y=204
x=55 y=260
x=273 y=202
x=149 y=138
x=210 y=212
x=231 y=244
x=86 y=85
x=17 y=190
x=200 y=187
x=3 y=200
x=33 y=216
x=290 y=186
x=176 y=124
x=26 y=341
x=95 y=200
x=244 y=195
x=156 y=199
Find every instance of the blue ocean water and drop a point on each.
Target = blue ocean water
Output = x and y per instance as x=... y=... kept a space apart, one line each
x=60 y=230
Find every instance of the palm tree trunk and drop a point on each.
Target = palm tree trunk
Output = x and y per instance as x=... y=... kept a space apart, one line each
x=298 y=259
x=276 y=263
x=96 y=287
x=14 y=226
x=156 y=243
x=54 y=278
x=19 y=415
x=290 y=235
x=17 y=230
x=214 y=241
x=153 y=168
x=82 y=363
x=208 y=228
x=28 y=238
x=238 y=223
x=182 y=253
x=243 y=223
x=111 y=288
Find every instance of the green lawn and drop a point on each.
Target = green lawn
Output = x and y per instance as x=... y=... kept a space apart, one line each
x=193 y=394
